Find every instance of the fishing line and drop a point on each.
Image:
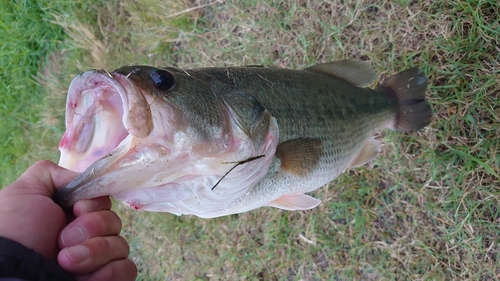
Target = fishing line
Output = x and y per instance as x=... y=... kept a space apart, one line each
x=237 y=163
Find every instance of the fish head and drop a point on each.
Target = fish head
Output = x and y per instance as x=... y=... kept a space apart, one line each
x=136 y=102
x=155 y=138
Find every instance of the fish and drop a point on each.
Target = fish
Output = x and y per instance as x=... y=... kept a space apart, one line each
x=217 y=141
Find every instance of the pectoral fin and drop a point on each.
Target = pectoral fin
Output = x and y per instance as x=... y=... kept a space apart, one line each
x=295 y=202
x=367 y=153
x=299 y=156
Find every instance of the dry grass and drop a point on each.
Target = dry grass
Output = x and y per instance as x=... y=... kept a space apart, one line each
x=426 y=209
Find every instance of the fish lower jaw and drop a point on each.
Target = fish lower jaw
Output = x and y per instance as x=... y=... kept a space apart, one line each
x=101 y=145
x=185 y=183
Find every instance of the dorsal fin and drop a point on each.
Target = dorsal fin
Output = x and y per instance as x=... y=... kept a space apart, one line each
x=359 y=73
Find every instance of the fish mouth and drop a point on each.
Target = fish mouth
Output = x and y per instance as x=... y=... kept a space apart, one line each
x=99 y=117
x=131 y=141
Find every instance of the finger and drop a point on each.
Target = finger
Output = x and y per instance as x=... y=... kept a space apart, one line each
x=93 y=254
x=42 y=178
x=90 y=225
x=91 y=205
x=115 y=270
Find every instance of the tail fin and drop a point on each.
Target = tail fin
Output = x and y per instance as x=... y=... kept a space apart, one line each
x=409 y=87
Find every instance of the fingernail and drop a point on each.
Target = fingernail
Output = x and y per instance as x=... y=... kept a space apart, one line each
x=77 y=253
x=73 y=236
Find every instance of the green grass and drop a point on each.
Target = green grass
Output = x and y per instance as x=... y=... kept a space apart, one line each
x=27 y=37
x=426 y=209
x=29 y=41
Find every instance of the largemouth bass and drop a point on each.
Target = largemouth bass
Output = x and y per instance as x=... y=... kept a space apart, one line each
x=217 y=141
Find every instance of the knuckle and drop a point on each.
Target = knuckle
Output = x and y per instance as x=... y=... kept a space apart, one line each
x=132 y=268
x=93 y=224
x=100 y=245
x=106 y=243
x=101 y=222
x=109 y=222
x=116 y=270
x=108 y=273
x=85 y=206
x=43 y=163
x=104 y=202
x=105 y=249
x=117 y=220
x=125 y=245
x=113 y=244
x=125 y=268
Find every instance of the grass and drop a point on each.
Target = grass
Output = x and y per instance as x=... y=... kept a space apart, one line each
x=27 y=37
x=426 y=209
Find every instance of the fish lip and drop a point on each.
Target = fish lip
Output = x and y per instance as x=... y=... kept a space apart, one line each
x=80 y=149
x=83 y=82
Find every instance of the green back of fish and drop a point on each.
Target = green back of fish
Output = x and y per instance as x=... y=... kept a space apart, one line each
x=324 y=122
x=308 y=104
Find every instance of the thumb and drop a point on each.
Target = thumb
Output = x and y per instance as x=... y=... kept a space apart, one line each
x=42 y=178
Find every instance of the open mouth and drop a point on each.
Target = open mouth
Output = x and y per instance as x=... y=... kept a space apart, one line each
x=95 y=118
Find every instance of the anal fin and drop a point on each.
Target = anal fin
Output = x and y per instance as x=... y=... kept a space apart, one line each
x=299 y=156
x=369 y=152
x=295 y=202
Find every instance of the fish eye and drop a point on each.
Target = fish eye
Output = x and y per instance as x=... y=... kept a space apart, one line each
x=162 y=79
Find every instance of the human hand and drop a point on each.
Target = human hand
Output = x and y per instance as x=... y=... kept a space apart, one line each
x=29 y=216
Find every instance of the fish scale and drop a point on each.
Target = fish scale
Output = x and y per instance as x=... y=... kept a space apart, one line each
x=219 y=141
x=342 y=132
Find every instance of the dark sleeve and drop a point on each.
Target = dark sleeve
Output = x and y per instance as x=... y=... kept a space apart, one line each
x=20 y=263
